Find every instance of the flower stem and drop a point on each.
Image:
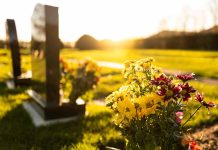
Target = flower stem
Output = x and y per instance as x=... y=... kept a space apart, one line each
x=191 y=116
x=180 y=102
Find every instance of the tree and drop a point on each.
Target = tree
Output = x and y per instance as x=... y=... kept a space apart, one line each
x=86 y=42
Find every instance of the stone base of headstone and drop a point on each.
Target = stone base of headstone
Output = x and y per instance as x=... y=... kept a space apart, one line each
x=10 y=84
x=13 y=83
x=38 y=121
x=42 y=115
x=23 y=80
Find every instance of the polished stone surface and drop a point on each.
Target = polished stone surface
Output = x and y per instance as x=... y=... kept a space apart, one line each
x=11 y=37
x=18 y=78
x=45 y=54
x=45 y=46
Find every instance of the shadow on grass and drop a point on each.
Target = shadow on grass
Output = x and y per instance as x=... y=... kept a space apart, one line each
x=18 y=132
x=101 y=95
x=110 y=73
x=204 y=124
x=5 y=91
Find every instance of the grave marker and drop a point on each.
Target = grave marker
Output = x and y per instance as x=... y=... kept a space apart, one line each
x=19 y=78
x=46 y=67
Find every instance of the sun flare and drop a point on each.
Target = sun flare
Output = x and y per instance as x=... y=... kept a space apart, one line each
x=110 y=19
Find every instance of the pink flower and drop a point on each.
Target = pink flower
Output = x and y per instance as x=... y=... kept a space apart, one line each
x=161 y=80
x=186 y=91
x=199 y=97
x=185 y=77
x=208 y=105
x=170 y=91
x=179 y=116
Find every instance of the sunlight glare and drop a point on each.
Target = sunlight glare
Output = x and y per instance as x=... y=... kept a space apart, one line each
x=108 y=19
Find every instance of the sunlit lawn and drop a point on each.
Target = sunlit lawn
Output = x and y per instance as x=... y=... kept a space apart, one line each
x=110 y=83
x=17 y=131
x=203 y=63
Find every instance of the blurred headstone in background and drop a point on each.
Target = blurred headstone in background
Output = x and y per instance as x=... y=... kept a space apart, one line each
x=18 y=78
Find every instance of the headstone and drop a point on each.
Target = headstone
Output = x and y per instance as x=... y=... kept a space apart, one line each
x=46 y=67
x=19 y=78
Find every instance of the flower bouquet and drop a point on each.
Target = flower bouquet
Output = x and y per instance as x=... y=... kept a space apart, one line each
x=79 y=78
x=150 y=106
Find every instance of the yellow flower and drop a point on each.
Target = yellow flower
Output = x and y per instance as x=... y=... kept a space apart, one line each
x=118 y=96
x=126 y=102
x=140 y=74
x=118 y=119
x=145 y=63
x=91 y=66
x=126 y=108
x=148 y=104
x=127 y=64
x=138 y=68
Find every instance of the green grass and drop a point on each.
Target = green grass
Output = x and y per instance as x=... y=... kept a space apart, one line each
x=17 y=131
x=203 y=63
x=204 y=116
x=107 y=85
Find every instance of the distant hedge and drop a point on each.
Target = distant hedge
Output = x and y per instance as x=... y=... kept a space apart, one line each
x=204 y=41
x=2 y=44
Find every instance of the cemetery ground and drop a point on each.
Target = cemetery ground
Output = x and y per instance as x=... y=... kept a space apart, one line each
x=17 y=131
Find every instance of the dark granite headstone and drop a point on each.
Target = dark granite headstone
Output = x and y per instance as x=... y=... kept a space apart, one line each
x=19 y=78
x=46 y=68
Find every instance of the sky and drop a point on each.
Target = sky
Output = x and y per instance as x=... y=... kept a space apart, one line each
x=110 y=19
